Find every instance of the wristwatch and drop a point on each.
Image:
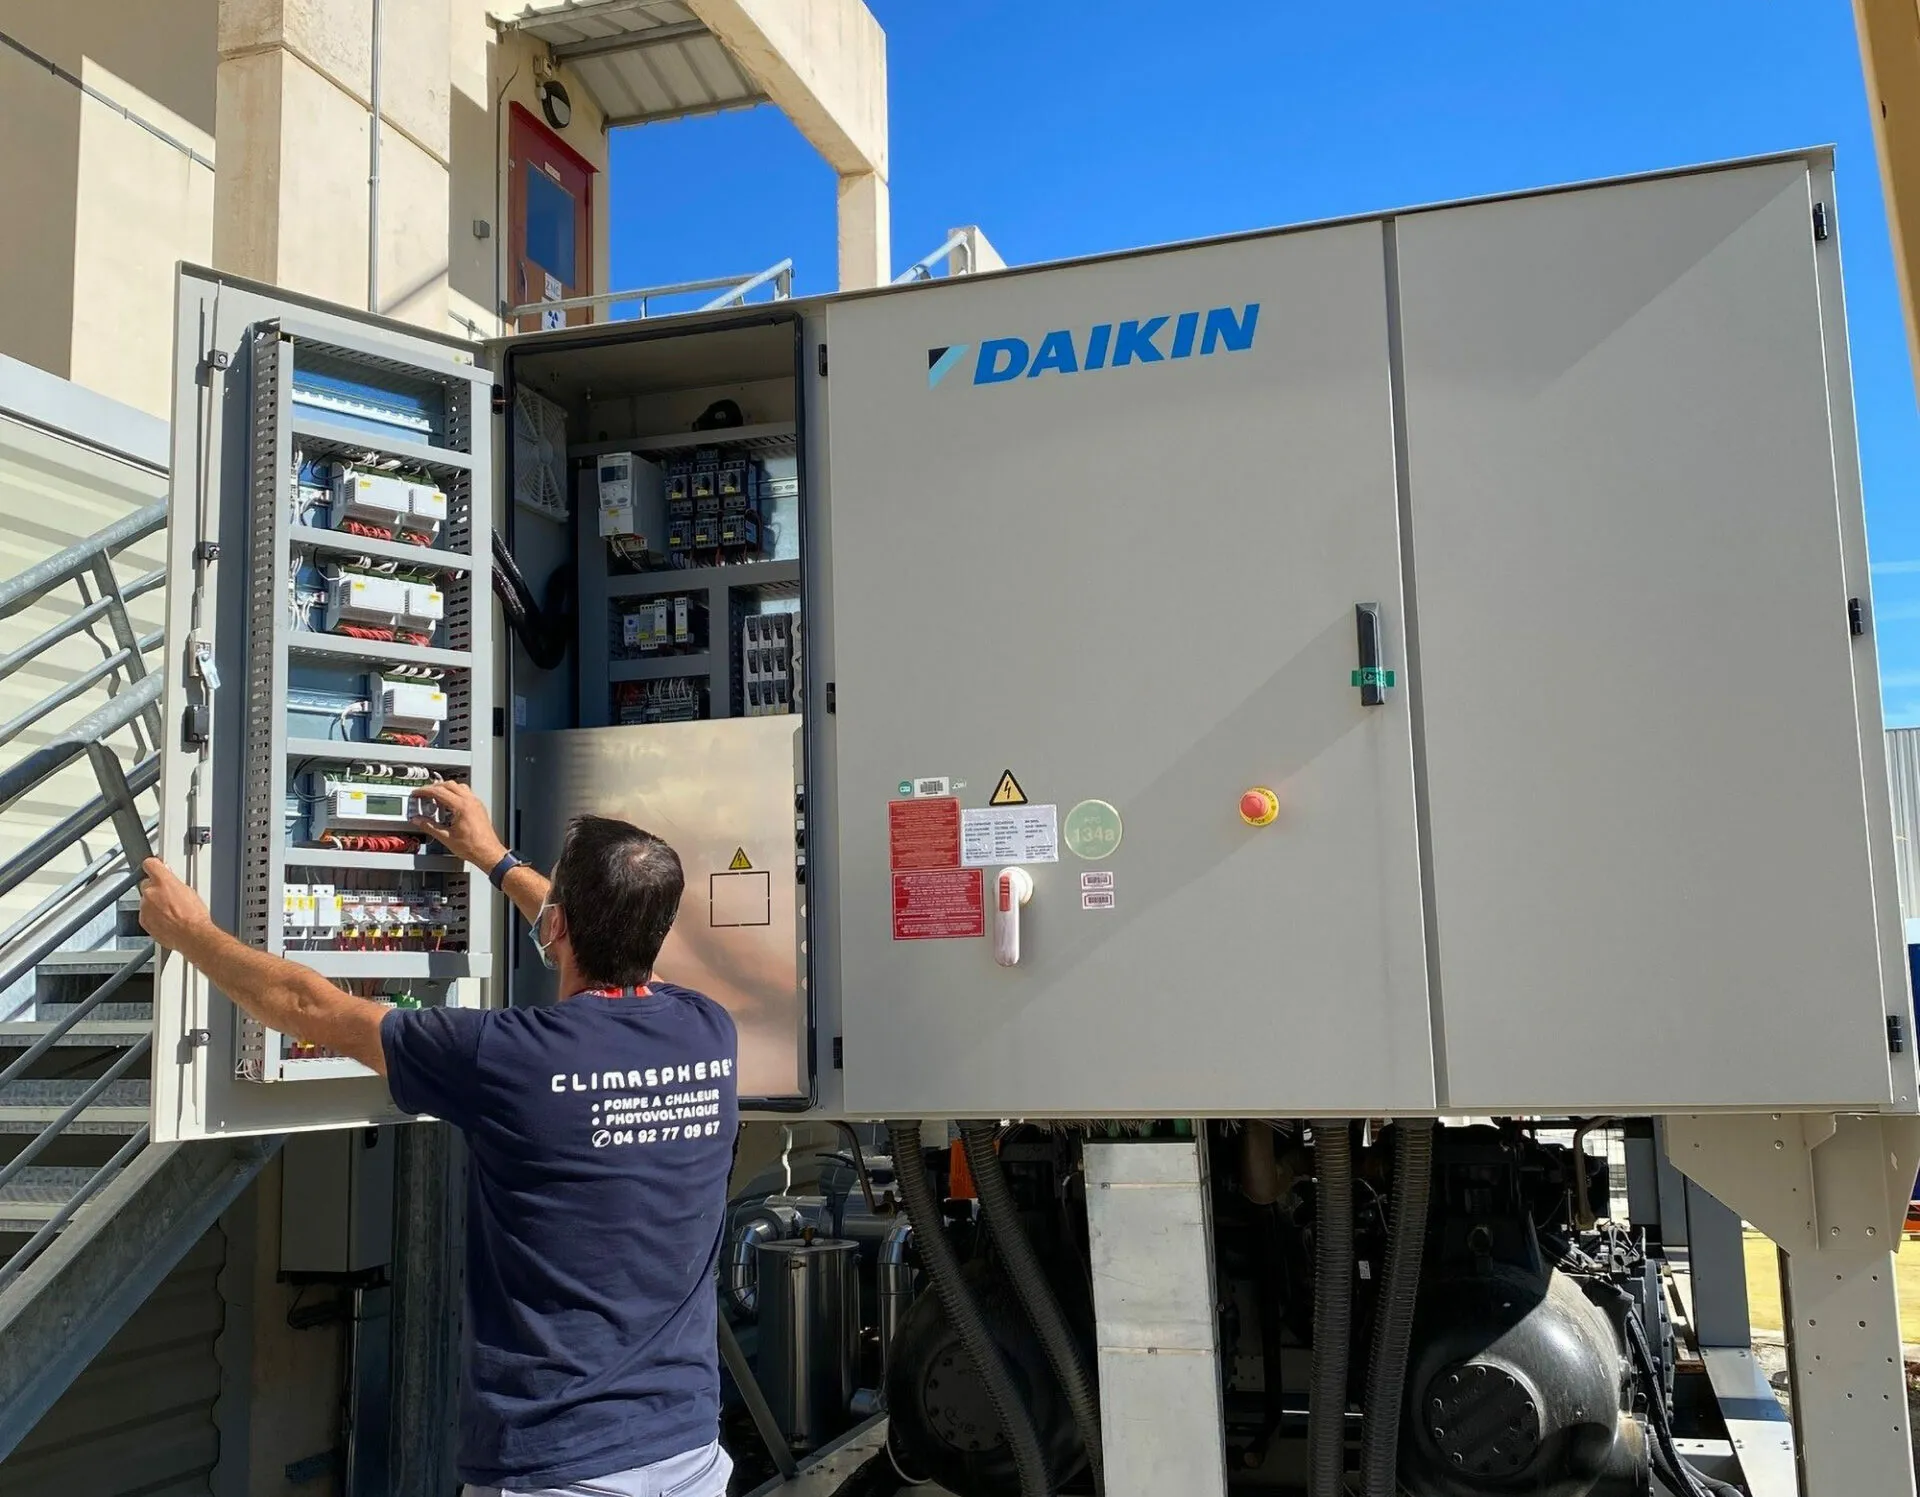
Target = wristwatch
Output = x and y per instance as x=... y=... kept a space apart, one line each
x=498 y=877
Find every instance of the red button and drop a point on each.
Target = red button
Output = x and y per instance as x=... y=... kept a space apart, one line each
x=1259 y=807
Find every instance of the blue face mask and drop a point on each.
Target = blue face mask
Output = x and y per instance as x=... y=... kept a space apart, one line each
x=539 y=945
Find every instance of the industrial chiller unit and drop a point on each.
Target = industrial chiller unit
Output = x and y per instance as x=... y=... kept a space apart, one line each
x=1260 y=753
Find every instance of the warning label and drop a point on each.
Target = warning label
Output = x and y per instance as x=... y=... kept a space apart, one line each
x=939 y=904
x=739 y=863
x=1007 y=792
x=1009 y=834
x=923 y=834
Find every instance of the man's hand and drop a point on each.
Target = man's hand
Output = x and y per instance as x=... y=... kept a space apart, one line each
x=170 y=912
x=468 y=832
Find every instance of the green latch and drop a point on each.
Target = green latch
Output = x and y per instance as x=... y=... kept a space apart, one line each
x=1373 y=675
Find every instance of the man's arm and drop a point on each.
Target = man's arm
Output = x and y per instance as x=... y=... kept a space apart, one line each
x=469 y=834
x=280 y=994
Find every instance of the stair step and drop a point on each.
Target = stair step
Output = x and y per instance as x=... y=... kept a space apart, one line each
x=104 y=961
x=88 y=1034
x=29 y=1106
x=31 y=1198
x=134 y=1012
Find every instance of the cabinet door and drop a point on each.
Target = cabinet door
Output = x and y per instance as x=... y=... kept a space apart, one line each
x=1094 y=539
x=263 y=382
x=1652 y=880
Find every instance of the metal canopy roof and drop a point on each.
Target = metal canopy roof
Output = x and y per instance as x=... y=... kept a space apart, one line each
x=643 y=60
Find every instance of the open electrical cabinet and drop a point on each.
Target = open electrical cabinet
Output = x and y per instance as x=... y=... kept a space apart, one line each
x=1332 y=671
x=345 y=503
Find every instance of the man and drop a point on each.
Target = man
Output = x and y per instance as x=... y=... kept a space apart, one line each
x=601 y=1133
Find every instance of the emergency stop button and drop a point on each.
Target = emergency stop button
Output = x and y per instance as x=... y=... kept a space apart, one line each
x=1259 y=806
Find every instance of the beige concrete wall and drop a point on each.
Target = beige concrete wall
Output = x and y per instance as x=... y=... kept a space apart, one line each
x=490 y=72
x=112 y=207
x=291 y=203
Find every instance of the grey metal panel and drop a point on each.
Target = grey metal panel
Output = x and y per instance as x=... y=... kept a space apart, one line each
x=1645 y=781
x=1135 y=585
x=713 y=790
x=139 y=1419
x=1156 y=1324
x=216 y=465
x=1903 y=775
x=652 y=62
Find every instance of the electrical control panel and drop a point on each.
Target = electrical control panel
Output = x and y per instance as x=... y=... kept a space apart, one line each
x=1541 y=521
x=332 y=582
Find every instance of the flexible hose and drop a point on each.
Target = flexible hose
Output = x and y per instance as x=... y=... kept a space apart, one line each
x=1393 y=1321
x=956 y=1302
x=1332 y=1309
x=1036 y=1295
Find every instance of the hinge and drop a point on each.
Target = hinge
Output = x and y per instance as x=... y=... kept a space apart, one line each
x=499 y=724
x=199 y=836
x=839 y=1055
x=199 y=1039
x=830 y=702
x=1896 y=1034
x=1819 y=221
x=206 y=551
x=823 y=361
x=498 y=400
x=1856 y=618
x=219 y=358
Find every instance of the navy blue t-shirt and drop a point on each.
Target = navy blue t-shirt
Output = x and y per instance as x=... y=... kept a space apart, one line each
x=601 y=1134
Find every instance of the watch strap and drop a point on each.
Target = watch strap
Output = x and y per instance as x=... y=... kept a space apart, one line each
x=498 y=875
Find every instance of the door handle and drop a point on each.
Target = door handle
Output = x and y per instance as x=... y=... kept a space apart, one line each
x=1372 y=677
x=1012 y=888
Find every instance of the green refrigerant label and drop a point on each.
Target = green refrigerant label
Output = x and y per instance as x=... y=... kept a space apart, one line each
x=1091 y=830
x=1373 y=675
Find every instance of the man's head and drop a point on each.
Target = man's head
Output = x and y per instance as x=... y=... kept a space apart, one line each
x=615 y=892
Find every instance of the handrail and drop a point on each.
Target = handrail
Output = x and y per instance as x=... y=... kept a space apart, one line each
x=44 y=1139
x=922 y=269
x=14 y=1266
x=41 y=578
x=79 y=686
x=18 y=778
x=20 y=962
x=737 y=288
x=51 y=843
x=75 y=622
x=72 y=886
x=137 y=957
x=781 y=275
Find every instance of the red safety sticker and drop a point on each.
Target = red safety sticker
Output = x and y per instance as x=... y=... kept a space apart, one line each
x=923 y=833
x=939 y=904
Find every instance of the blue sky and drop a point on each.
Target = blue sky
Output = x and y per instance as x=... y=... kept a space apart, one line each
x=1065 y=127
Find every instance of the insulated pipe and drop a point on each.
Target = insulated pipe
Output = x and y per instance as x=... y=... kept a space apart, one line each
x=1393 y=1320
x=1036 y=1296
x=1332 y=1308
x=373 y=171
x=943 y=1269
x=893 y=1287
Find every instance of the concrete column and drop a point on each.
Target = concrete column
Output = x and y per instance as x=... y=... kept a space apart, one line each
x=292 y=131
x=866 y=240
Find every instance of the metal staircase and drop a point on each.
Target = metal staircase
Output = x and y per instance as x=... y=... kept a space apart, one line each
x=92 y=1216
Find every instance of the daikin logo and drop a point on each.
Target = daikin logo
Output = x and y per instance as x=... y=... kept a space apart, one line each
x=1105 y=345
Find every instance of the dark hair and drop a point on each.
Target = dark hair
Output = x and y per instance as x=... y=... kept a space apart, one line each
x=619 y=888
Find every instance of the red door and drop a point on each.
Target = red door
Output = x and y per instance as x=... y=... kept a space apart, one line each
x=549 y=222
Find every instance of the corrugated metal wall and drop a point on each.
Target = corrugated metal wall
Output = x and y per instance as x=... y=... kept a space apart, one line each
x=54 y=492
x=1903 y=773
x=139 y=1422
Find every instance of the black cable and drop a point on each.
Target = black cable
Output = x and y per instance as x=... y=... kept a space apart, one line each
x=1674 y=1469
x=1332 y=1308
x=1393 y=1320
x=1029 y=1281
x=542 y=632
x=962 y=1314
